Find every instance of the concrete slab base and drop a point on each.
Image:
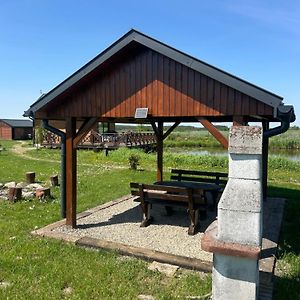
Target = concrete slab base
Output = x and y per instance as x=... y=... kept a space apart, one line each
x=175 y=228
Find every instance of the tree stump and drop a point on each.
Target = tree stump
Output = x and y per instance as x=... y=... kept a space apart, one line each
x=43 y=193
x=54 y=180
x=14 y=194
x=30 y=177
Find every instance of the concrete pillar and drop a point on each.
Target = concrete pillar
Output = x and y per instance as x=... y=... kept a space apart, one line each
x=236 y=237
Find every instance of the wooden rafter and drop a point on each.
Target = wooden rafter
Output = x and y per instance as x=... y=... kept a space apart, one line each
x=215 y=132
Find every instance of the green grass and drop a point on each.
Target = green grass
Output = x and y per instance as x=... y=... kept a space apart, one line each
x=40 y=268
x=192 y=139
x=197 y=138
x=287 y=286
x=287 y=140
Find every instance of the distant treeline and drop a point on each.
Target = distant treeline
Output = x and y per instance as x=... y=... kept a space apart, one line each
x=180 y=128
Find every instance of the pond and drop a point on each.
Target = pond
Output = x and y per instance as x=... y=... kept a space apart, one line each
x=284 y=153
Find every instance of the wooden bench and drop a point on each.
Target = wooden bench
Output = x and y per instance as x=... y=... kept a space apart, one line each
x=218 y=178
x=169 y=196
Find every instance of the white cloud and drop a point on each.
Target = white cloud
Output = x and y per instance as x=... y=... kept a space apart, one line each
x=284 y=16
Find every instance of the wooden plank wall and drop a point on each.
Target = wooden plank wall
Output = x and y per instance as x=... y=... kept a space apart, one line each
x=166 y=87
x=5 y=131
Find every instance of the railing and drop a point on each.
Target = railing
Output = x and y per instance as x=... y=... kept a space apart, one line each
x=105 y=140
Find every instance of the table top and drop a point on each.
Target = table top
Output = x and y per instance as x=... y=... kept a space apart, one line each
x=190 y=184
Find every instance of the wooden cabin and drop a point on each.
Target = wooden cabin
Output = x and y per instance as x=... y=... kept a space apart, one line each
x=12 y=129
x=141 y=80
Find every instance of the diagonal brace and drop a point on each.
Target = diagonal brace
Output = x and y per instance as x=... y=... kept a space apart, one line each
x=83 y=130
x=215 y=132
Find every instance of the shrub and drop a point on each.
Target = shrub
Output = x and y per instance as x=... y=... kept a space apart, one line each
x=134 y=161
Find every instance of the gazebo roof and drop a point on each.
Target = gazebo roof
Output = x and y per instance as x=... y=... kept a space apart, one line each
x=138 y=71
x=257 y=99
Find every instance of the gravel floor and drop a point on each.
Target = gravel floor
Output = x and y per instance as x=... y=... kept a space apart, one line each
x=121 y=223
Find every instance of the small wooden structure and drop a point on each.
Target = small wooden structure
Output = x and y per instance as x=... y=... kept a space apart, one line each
x=95 y=140
x=138 y=71
x=11 y=129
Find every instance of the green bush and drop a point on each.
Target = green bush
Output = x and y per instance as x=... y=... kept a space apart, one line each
x=133 y=160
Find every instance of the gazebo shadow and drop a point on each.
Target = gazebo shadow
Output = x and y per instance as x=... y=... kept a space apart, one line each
x=178 y=218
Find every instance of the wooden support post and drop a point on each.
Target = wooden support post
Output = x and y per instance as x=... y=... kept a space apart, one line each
x=159 y=132
x=111 y=127
x=71 y=180
x=160 y=136
x=265 y=154
x=215 y=132
x=160 y=150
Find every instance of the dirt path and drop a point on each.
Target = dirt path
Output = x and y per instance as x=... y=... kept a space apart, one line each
x=21 y=148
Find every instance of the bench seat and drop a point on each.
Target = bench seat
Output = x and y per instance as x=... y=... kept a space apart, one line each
x=169 y=196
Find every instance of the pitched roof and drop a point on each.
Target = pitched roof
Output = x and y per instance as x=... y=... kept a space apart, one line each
x=17 y=122
x=230 y=80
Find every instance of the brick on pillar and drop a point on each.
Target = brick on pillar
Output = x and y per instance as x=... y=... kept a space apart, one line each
x=71 y=161
x=235 y=239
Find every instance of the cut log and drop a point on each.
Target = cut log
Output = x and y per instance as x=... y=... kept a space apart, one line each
x=43 y=193
x=54 y=180
x=14 y=194
x=30 y=177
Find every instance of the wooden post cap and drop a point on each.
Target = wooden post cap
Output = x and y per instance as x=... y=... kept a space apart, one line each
x=43 y=193
x=54 y=180
x=14 y=194
x=30 y=177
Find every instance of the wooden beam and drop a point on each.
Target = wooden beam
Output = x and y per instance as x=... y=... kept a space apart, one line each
x=265 y=154
x=154 y=127
x=167 y=133
x=83 y=130
x=159 y=149
x=239 y=121
x=71 y=171
x=215 y=132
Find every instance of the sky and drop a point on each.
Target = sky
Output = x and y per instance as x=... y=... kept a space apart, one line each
x=44 y=41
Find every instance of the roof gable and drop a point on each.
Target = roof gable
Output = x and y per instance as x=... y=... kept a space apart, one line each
x=134 y=36
x=17 y=122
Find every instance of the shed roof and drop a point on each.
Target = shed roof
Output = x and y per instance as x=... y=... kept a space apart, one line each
x=17 y=122
x=134 y=36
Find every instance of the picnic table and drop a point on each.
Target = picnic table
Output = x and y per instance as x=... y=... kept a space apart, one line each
x=210 y=189
x=182 y=190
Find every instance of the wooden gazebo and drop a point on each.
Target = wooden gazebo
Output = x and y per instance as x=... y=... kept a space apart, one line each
x=137 y=72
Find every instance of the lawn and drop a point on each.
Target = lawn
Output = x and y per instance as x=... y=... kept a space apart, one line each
x=40 y=268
